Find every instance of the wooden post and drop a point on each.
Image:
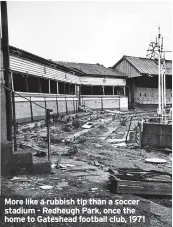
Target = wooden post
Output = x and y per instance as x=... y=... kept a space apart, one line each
x=133 y=94
x=49 y=86
x=57 y=105
x=39 y=85
x=124 y=90
x=79 y=94
x=74 y=106
x=141 y=135
x=66 y=105
x=6 y=65
x=45 y=106
x=113 y=90
x=31 y=110
x=64 y=92
x=92 y=89
x=69 y=89
x=57 y=88
x=101 y=103
x=26 y=81
x=103 y=90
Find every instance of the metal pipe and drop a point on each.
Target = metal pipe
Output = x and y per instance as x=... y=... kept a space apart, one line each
x=6 y=65
x=48 y=132
x=165 y=88
x=14 y=115
x=159 y=104
x=164 y=81
x=162 y=86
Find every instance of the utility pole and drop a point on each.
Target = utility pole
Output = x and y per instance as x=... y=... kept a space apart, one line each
x=6 y=66
x=159 y=74
x=156 y=52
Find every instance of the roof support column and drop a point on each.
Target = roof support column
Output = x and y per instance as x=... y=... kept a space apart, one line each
x=103 y=90
x=124 y=90
x=133 y=94
x=57 y=87
x=49 y=85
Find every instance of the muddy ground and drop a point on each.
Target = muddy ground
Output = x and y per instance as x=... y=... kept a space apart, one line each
x=81 y=163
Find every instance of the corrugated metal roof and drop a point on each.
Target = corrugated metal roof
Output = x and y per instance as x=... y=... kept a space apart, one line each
x=91 y=69
x=148 y=66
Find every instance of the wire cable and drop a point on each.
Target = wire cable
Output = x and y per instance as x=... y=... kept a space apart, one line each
x=166 y=38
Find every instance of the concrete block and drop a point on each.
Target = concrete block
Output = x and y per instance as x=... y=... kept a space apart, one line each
x=21 y=159
x=40 y=168
x=157 y=135
x=6 y=158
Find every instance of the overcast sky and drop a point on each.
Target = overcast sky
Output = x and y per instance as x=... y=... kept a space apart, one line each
x=88 y=32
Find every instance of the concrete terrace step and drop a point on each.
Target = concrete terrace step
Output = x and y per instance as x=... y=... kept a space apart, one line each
x=21 y=162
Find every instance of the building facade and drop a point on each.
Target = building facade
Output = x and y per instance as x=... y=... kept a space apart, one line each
x=62 y=87
x=142 y=80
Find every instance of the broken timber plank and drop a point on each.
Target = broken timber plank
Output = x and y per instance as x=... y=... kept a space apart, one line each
x=146 y=187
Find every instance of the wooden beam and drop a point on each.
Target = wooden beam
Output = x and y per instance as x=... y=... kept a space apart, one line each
x=141 y=187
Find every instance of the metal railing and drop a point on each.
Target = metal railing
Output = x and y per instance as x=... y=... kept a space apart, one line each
x=48 y=111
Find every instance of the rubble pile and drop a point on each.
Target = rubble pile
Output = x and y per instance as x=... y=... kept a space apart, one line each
x=83 y=159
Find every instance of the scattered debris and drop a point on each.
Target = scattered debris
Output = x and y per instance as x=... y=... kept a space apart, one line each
x=94 y=189
x=66 y=128
x=123 y=121
x=40 y=154
x=156 y=160
x=53 y=165
x=98 y=145
x=70 y=165
x=136 y=181
x=123 y=144
x=112 y=111
x=115 y=140
x=76 y=123
x=88 y=125
x=96 y=163
x=71 y=151
x=167 y=150
x=20 y=179
x=46 y=187
x=61 y=166
x=62 y=184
